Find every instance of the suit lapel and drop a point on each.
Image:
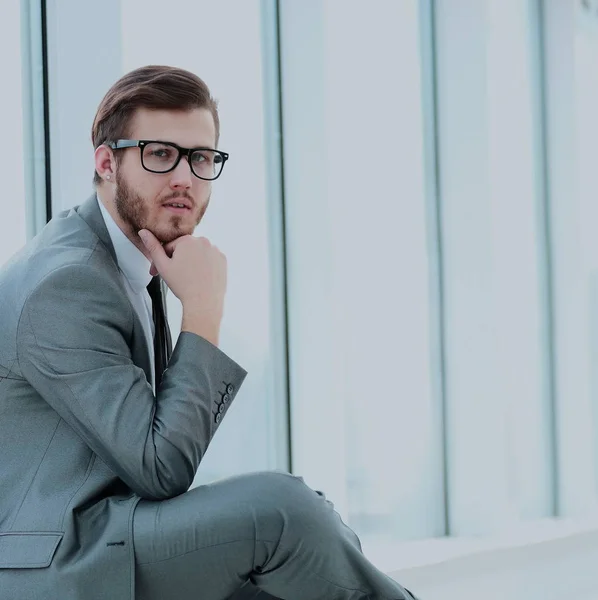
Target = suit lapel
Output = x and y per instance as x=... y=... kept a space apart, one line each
x=90 y=212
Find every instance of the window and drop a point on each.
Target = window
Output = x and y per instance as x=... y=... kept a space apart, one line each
x=203 y=38
x=364 y=412
x=438 y=249
x=572 y=92
x=12 y=151
x=497 y=369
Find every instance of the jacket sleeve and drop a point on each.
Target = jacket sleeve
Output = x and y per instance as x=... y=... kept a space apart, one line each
x=73 y=345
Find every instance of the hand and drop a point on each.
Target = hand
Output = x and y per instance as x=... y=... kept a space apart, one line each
x=196 y=272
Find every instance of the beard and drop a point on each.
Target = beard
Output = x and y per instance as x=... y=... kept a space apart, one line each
x=134 y=210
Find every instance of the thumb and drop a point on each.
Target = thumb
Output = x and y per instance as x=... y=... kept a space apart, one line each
x=155 y=249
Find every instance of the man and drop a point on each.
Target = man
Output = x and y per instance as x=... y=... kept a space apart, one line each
x=100 y=441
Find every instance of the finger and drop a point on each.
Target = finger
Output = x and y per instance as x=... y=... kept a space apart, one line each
x=170 y=247
x=155 y=249
x=153 y=271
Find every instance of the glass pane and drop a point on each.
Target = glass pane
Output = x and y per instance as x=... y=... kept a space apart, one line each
x=252 y=437
x=365 y=422
x=572 y=52
x=12 y=200
x=500 y=470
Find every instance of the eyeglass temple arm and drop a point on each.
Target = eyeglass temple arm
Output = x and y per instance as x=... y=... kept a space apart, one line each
x=123 y=144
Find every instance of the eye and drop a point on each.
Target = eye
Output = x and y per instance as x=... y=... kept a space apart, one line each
x=160 y=152
x=202 y=157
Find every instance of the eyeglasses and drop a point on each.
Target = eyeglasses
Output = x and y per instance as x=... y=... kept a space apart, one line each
x=163 y=157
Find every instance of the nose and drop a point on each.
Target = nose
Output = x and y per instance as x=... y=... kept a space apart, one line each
x=181 y=176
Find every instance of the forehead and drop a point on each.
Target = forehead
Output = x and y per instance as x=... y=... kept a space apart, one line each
x=189 y=128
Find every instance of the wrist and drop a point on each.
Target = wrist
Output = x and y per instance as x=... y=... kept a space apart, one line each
x=203 y=323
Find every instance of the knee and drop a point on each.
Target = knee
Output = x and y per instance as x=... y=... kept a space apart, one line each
x=288 y=497
x=277 y=486
x=281 y=487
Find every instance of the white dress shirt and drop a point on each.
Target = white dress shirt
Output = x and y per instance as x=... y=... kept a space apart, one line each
x=134 y=268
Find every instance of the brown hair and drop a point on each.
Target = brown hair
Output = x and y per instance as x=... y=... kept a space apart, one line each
x=154 y=87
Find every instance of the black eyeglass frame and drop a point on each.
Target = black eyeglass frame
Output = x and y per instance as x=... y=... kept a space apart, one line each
x=141 y=144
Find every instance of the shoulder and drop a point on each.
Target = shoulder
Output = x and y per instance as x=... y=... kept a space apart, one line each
x=76 y=305
x=72 y=274
x=82 y=280
x=65 y=254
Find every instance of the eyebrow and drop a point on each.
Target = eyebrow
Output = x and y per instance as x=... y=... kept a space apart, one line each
x=198 y=147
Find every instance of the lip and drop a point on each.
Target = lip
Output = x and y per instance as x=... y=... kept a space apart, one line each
x=175 y=209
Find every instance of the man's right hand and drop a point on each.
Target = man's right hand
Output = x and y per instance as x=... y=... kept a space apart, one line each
x=196 y=272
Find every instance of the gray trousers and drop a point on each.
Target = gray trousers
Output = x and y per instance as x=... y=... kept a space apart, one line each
x=263 y=535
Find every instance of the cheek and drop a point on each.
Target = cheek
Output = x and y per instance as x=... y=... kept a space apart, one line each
x=131 y=176
x=151 y=190
x=203 y=191
x=148 y=186
x=130 y=165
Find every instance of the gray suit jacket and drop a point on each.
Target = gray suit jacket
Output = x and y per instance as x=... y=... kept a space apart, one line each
x=82 y=437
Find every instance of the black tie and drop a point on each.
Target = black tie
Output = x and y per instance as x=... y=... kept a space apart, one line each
x=162 y=339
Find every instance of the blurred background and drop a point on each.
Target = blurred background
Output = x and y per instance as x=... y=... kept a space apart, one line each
x=410 y=219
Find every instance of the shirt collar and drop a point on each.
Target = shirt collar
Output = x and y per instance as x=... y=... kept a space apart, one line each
x=131 y=261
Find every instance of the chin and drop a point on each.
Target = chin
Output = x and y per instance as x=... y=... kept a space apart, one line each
x=168 y=235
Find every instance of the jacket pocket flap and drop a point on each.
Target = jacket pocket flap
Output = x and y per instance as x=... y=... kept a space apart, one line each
x=25 y=550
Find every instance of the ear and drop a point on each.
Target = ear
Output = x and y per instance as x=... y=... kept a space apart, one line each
x=105 y=162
